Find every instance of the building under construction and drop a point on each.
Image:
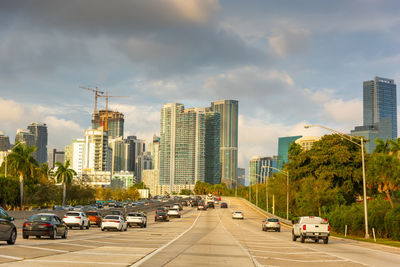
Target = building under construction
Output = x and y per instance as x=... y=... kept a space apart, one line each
x=115 y=122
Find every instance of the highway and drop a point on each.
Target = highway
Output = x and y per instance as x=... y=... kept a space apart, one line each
x=199 y=238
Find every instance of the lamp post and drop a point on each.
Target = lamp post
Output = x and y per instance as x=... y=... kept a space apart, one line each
x=361 y=144
x=287 y=188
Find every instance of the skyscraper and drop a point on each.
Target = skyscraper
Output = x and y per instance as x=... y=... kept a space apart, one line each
x=25 y=137
x=115 y=122
x=283 y=149
x=77 y=149
x=133 y=147
x=212 y=148
x=55 y=156
x=96 y=152
x=4 y=142
x=259 y=172
x=39 y=130
x=229 y=110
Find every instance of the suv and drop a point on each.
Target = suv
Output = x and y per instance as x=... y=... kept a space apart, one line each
x=174 y=213
x=77 y=219
x=8 y=231
x=94 y=217
x=271 y=223
x=136 y=218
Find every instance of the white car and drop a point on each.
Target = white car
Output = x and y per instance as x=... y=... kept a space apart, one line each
x=237 y=215
x=177 y=206
x=174 y=213
x=76 y=219
x=136 y=218
x=116 y=222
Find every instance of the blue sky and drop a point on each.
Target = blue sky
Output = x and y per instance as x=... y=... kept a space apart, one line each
x=289 y=63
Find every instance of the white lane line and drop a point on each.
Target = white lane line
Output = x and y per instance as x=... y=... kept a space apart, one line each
x=78 y=245
x=106 y=254
x=155 y=252
x=10 y=257
x=288 y=253
x=103 y=242
x=286 y=259
x=94 y=263
x=47 y=249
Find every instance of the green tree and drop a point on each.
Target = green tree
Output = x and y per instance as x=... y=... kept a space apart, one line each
x=382 y=146
x=395 y=147
x=23 y=164
x=64 y=174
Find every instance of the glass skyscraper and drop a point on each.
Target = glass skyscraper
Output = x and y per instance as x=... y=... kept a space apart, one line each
x=283 y=149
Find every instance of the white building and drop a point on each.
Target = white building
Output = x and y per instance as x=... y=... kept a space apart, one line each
x=306 y=142
x=78 y=146
x=96 y=153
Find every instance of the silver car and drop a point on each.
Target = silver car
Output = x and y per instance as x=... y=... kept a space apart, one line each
x=271 y=224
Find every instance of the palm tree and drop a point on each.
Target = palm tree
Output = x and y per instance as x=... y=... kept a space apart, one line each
x=382 y=146
x=45 y=172
x=21 y=161
x=395 y=147
x=64 y=174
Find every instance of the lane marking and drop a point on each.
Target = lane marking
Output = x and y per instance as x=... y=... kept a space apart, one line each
x=79 y=262
x=155 y=252
x=285 y=259
x=47 y=249
x=111 y=254
x=10 y=257
x=288 y=253
x=103 y=242
x=78 y=245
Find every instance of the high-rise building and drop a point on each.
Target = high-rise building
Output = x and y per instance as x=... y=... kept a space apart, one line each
x=56 y=156
x=379 y=112
x=118 y=162
x=25 y=137
x=134 y=147
x=96 y=151
x=229 y=110
x=115 y=122
x=4 y=142
x=212 y=148
x=143 y=162
x=241 y=172
x=259 y=171
x=77 y=148
x=39 y=130
x=68 y=154
x=283 y=149
x=154 y=149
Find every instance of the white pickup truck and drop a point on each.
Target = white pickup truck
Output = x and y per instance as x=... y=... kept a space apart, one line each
x=310 y=227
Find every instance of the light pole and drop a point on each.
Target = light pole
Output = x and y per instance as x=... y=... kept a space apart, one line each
x=287 y=188
x=361 y=144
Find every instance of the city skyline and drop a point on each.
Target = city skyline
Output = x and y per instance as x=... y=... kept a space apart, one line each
x=243 y=51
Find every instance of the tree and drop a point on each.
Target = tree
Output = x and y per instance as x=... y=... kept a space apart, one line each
x=384 y=173
x=23 y=164
x=64 y=174
x=382 y=146
x=395 y=147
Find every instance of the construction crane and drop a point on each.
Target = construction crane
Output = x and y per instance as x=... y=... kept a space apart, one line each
x=97 y=94
x=106 y=115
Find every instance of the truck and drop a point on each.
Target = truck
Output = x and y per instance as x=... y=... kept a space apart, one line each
x=311 y=227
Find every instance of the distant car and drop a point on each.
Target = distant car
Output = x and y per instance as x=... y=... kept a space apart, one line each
x=8 y=231
x=115 y=212
x=161 y=216
x=136 y=218
x=167 y=207
x=44 y=224
x=94 y=217
x=223 y=205
x=116 y=222
x=194 y=203
x=271 y=224
x=76 y=219
x=202 y=206
x=211 y=205
x=237 y=215
x=58 y=208
x=78 y=208
x=161 y=209
x=184 y=203
x=218 y=198
x=174 y=213
x=177 y=206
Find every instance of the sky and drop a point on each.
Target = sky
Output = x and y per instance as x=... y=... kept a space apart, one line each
x=288 y=63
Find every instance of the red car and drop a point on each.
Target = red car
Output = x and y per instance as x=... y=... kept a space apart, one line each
x=94 y=218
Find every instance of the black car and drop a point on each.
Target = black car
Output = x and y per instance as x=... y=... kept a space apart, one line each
x=44 y=224
x=161 y=216
x=8 y=231
x=223 y=205
x=211 y=205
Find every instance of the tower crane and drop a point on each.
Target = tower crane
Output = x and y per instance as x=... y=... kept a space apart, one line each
x=106 y=115
x=97 y=94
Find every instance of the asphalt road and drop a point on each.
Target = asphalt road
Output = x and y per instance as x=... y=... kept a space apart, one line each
x=199 y=238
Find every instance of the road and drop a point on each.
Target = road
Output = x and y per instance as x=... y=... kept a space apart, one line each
x=199 y=238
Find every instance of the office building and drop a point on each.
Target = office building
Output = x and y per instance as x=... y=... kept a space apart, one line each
x=4 y=142
x=259 y=171
x=306 y=142
x=39 y=130
x=151 y=178
x=56 y=156
x=77 y=148
x=25 y=137
x=115 y=122
x=96 y=152
x=143 y=162
x=154 y=149
x=118 y=158
x=134 y=147
x=229 y=112
x=283 y=149
x=212 y=147
x=241 y=172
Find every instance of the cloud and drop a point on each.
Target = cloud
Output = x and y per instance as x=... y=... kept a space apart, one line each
x=290 y=41
x=61 y=131
x=10 y=111
x=347 y=112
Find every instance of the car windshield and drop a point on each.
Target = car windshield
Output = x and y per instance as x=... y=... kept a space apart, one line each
x=273 y=220
x=72 y=214
x=40 y=218
x=161 y=213
x=111 y=217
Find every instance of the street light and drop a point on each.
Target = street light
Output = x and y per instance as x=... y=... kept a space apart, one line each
x=361 y=144
x=287 y=187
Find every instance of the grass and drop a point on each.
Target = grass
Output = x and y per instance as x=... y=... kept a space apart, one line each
x=381 y=241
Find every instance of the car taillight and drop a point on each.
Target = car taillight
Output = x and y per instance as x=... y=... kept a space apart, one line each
x=47 y=224
x=304 y=227
x=266 y=222
x=27 y=224
x=279 y=223
x=78 y=217
x=65 y=217
x=329 y=228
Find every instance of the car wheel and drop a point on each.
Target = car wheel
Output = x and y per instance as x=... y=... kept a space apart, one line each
x=81 y=227
x=64 y=236
x=13 y=237
x=145 y=225
x=316 y=240
x=88 y=226
x=294 y=238
x=302 y=238
x=54 y=234
x=279 y=229
x=25 y=236
x=102 y=229
x=38 y=236
x=126 y=228
x=70 y=227
x=326 y=240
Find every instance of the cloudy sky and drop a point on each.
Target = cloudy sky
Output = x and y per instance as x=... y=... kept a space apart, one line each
x=289 y=63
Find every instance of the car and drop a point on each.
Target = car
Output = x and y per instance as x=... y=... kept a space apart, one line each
x=116 y=222
x=115 y=212
x=184 y=203
x=194 y=203
x=237 y=215
x=78 y=208
x=76 y=219
x=58 y=208
x=161 y=209
x=136 y=218
x=8 y=231
x=271 y=223
x=94 y=217
x=211 y=205
x=167 y=207
x=177 y=206
x=223 y=205
x=218 y=198
x=44 y=224
x=311 y=227
x=161 y=216
x=174 y=213
x=202 y=206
